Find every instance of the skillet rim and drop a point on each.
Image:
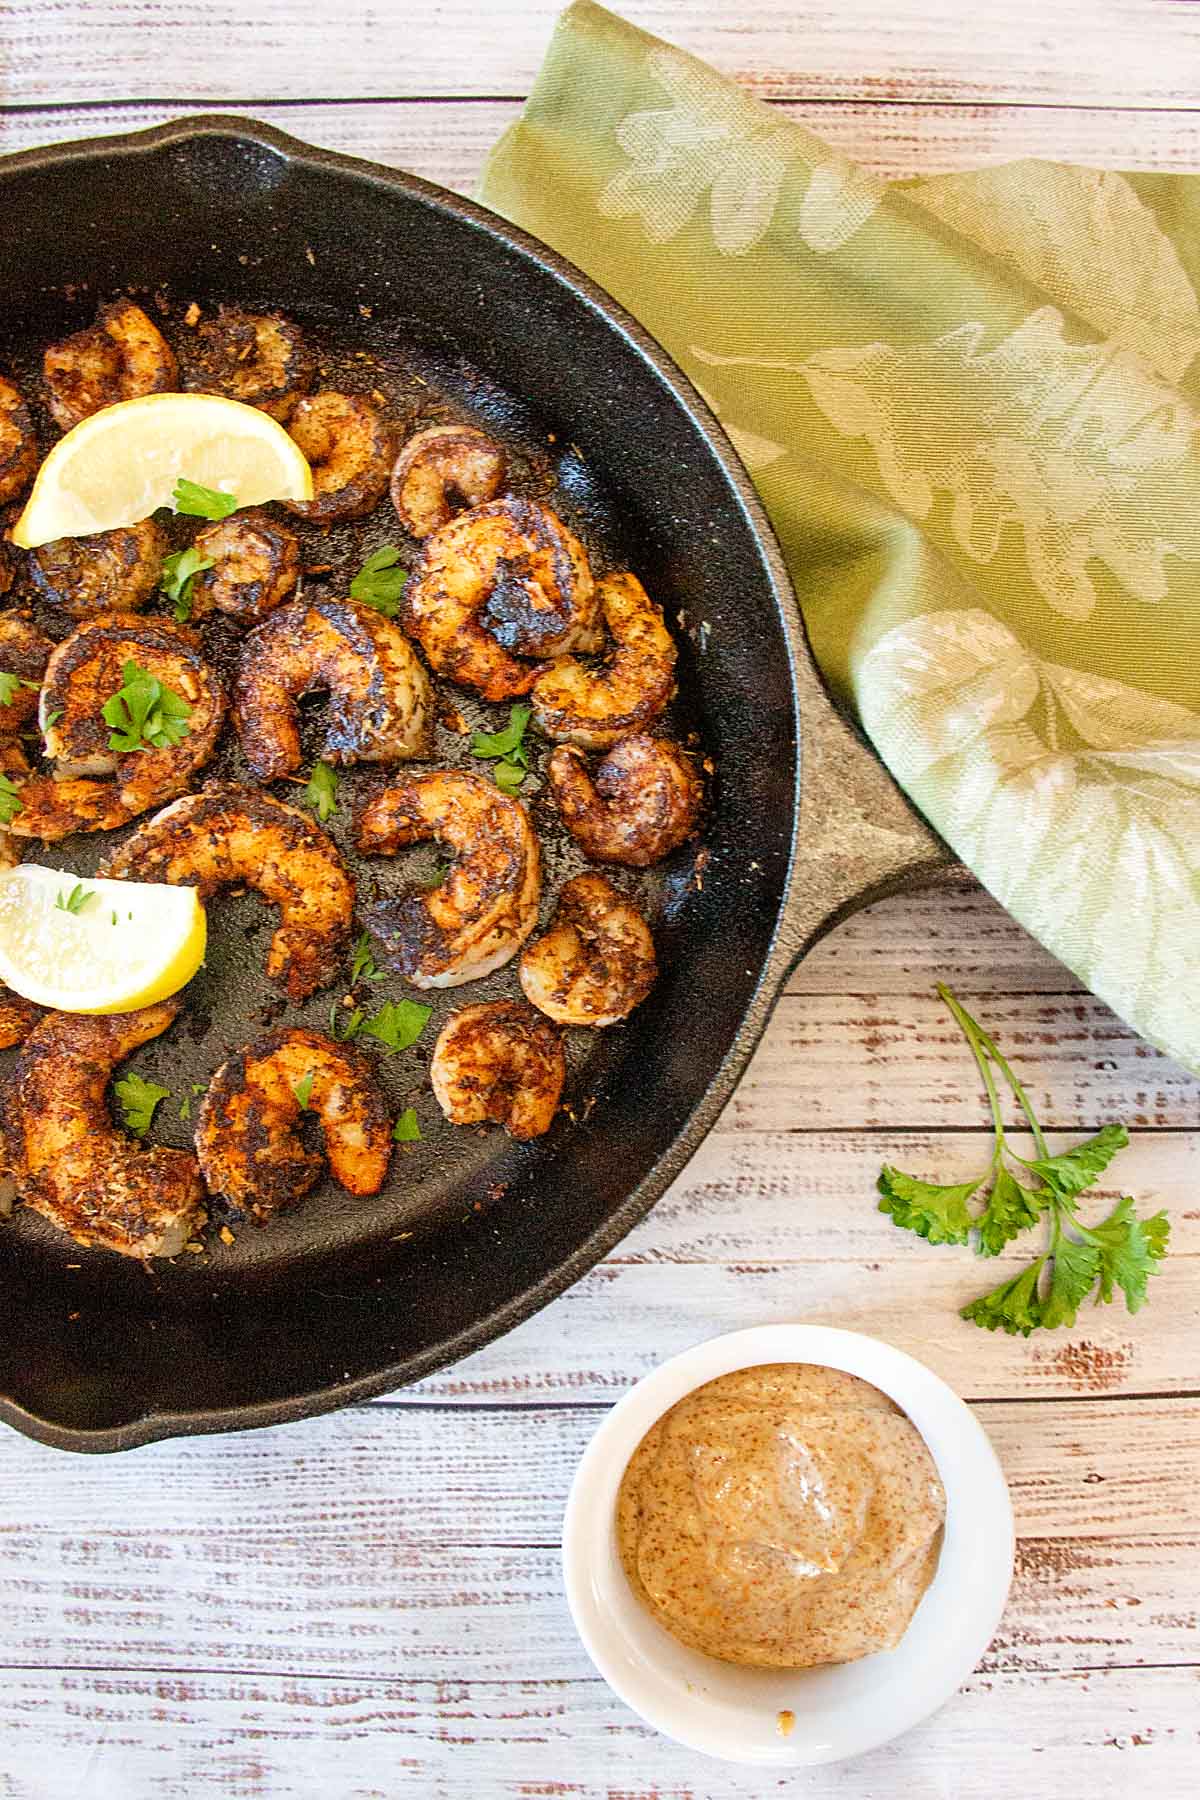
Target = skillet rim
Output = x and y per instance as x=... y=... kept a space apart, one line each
x=782 y=952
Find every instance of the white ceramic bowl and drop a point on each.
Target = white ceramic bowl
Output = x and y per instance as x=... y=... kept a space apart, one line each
x=842 y=1710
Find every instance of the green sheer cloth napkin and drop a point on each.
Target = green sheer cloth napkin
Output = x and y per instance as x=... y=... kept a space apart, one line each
x=970 y=406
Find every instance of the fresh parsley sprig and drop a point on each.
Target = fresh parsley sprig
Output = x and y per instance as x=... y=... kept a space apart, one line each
x=508 y=749
x=144 y=714
x=138 y=1100
x=322 y=789
x=199 y=502
x=381 y=581
x=1122 y=1251
x=179 y=572
x=10 y=800
x=9 y=684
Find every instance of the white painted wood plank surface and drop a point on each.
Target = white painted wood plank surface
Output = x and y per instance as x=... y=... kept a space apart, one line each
x=448 y=142
x=107 y=1735
x=1102 y=52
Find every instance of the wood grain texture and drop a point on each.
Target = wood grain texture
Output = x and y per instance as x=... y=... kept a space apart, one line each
x=448 y=142
x=1102 y=52
x=180 y=1737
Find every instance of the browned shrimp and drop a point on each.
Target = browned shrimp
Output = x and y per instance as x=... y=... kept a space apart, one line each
x=596 y=961
x=109 y=571
x=350 y=446
x=24 y=653
x=66 y=1157
x=18 y=445
x=14 y=764
x=230 y=836
x=380 y=698
x=442 y=463
x=499 y=1061
x=260 y=359
x=9 y=565
x=119 y=357
x=18 y=1017
x=248 y=1128
x=596 y=708
x=487 y=905
x=644 y=802
x=255 y=567
x=501 y=581
x=85 y=671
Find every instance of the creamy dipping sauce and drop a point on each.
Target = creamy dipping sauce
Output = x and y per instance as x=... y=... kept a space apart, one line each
x=782 y=1517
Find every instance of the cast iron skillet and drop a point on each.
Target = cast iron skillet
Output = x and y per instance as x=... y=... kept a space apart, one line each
x=340 y=1301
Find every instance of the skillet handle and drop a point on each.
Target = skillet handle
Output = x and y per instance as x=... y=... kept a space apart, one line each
x=859 y=838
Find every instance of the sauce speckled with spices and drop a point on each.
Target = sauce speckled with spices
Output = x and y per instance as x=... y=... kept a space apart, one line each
x=781 y=1517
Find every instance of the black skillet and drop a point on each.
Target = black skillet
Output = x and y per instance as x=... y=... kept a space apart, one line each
x=341 y=1301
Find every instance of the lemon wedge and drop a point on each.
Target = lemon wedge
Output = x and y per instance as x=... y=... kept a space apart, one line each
x=89 y=946
x=122 y=463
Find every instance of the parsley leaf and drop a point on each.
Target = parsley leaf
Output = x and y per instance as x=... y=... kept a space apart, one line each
x=407 y=1130
x=179 y=572
x=507 y=776
x=303 y=1091
x=202 y=502
x=341 y=1032
x=10 y=800
x=138 y=1101
x=52 y=718
x=75 y=901
x=144 y=714
x=381 y=581
x=9 y=685
x=1122 y=1251
x=398 y=1024
x=938 y=1214
x=364 y=967
x=509 y=743
x=321 y=792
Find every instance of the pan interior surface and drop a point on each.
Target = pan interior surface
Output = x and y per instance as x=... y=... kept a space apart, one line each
x=412 y=294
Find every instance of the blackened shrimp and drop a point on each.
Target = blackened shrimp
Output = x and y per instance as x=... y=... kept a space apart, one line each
x=108 y=571
x=230 y=836
x=260 y=359
x=380 y=699
x=255 y=567
x=10 y=565
x=350 y=447
x=18 y=1017
x=120 y=357
x=68 y=1160
x=596 y=961
x=598 y=707
x=502 y=581
x=24 y=653
x=248 y=1128
x=645 y=799
x=18 y=445
x=499 y=1062
x=488 y=903
x=86 y=671
x=440 y=465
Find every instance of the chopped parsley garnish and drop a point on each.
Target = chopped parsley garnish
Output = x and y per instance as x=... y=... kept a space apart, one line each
x=321 y=792
x=10 y=683
x=303 y=1091
x=406 y=1130
x=380 y=582
x=1120 y=1251
x=10 y=800
x=507 y=748
x=179 y=572
x=397 y=1024
x=138 y=1101
x=344 y=1027
x=364 y=967
x=52 y=718
x=144 y=714
x=75 y=901
x=202 y=502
